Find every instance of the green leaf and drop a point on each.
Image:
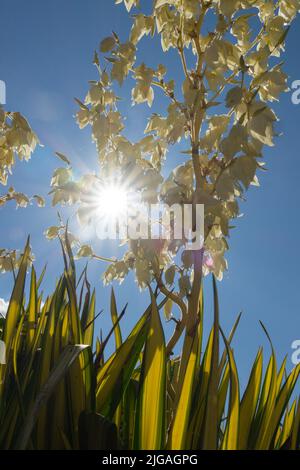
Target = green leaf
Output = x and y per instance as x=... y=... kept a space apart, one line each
x=152 y=394
x=66 y=359
x=230 y=440
x=210 y=439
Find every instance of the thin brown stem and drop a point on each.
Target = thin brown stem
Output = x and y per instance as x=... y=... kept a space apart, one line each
x=180 y=324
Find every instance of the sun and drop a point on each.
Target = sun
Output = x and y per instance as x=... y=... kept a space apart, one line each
x=112 y=201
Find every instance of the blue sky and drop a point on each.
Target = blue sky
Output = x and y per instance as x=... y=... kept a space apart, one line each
x=46 y=60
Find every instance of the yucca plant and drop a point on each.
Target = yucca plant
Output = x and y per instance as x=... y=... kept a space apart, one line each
x=59 y=391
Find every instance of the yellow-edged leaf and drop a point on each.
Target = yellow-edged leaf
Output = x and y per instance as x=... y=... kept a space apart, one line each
x=152 y=395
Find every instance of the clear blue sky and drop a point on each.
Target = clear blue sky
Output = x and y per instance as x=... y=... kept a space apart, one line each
x=46 y=60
